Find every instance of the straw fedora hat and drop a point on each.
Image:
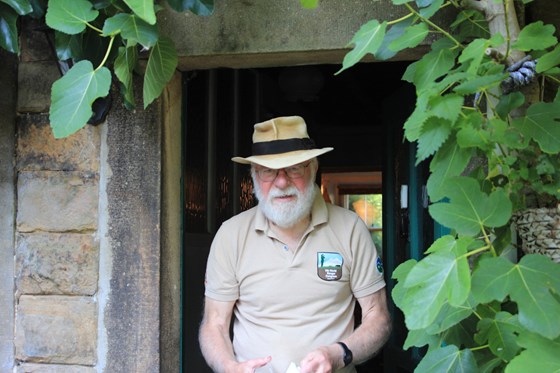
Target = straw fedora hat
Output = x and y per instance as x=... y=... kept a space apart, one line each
x=281 y=142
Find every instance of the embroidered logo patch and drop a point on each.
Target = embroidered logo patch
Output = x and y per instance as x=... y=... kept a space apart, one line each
x=329 y=266
x=379 y=265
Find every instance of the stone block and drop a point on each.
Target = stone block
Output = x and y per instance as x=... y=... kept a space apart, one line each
x=52 y=368
x=35 y=80
x=57 y=263
x=35 y=45
x=57 y=201
x=38 y=149
x=56 y=329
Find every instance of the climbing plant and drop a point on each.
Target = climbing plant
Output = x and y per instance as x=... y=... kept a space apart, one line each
x=94 y=40
x=487 y=119
x=99 y=43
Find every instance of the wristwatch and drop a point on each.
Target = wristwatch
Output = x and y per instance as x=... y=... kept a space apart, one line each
x=347 y=357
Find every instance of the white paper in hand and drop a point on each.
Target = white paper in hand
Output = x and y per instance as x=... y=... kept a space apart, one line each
x=292 y=368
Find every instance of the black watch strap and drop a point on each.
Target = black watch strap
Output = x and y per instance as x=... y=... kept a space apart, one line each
x=347 y=357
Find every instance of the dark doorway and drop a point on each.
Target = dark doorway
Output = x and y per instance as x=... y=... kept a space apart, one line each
x=355 y=112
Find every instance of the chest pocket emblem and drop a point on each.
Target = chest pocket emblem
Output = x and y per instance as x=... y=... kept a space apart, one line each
x=329 y=266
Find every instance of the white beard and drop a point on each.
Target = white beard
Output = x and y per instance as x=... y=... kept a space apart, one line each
x=286 y=214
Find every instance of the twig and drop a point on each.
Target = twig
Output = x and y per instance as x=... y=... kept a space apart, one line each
x=479 y=5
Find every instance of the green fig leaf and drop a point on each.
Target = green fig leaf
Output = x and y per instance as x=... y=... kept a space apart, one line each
x=448 y=162
x=124 y=67
x=21 y=7
x=132 y=28
x=501 y=335
x=72 y=97
x=435 y=132
x=450 y=316
x=480 y=83
x=206 y=7
x=474 y=52
x=410 y=38
x=540 y=355
x=530 y=283
x=469 y=209
x=447 y=106
x=70 y=16
x=420 y=338
x=542 y=123
x=432 y=66
x=143 y=9
x=161 y=66
x=429 y=8
x=8 y=23
x=368 y=39
x=440 y=277
x=535 y=36
x=446 y=360
x=549 y=60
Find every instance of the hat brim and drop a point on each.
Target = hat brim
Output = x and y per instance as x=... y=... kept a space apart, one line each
x=277 y=161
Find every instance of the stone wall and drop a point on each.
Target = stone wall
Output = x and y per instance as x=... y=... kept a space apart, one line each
x=57 y=248
x=56 y=237
x=262 y=33
x=83 y=241
x=8 y=82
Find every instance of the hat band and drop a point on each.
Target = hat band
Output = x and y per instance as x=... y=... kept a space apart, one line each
x=282 y=146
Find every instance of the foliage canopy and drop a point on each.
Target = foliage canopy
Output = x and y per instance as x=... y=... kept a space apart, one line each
x=492 y=141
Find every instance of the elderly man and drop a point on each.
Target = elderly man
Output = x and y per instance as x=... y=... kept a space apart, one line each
x=290 y=270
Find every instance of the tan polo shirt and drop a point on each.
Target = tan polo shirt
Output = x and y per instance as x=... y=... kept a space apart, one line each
x=289 y=303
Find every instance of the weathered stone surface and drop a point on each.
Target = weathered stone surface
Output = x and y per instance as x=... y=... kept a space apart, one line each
x=56 y=329
x=57 y=201
x=8 y=80
x=250 y=27
x=171 y=210
x=50 y=263
x=44 y=368
x=38 y=149
x=131 y=316
x=34 y=86
x=34 y=43
x=251 y=33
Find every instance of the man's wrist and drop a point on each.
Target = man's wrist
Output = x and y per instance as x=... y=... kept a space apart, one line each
x=347 y=355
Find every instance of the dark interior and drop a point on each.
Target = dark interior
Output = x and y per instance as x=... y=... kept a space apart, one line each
x=359 y=112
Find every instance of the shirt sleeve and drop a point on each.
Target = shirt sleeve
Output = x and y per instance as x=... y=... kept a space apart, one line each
x=367 y=268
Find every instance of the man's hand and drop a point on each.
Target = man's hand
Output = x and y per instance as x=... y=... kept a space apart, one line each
x=325 y=359
x=248 y=366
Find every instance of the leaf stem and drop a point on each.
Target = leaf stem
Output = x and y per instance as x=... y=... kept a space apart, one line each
x=106 y=53
x=477 y=315
x=553 y=78
x=508 y=38
x=433 y=25
x=476 y=251
x=488 y=242
x=400 y=19
x=479 y=347
x=94 y=28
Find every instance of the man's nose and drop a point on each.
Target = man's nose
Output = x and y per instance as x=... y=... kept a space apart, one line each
x=282 y=178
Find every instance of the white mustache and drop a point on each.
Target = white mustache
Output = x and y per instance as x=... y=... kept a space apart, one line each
x=274 y=193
